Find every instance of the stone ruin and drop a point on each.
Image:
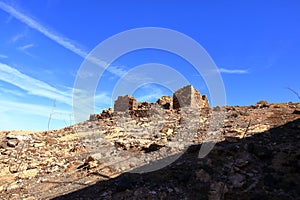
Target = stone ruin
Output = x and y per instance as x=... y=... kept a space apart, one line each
x=125 y=103
x=187 y=96
x=165 y=102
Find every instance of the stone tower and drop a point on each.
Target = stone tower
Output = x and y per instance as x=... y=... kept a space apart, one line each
x=188 y=96
x=125 y=103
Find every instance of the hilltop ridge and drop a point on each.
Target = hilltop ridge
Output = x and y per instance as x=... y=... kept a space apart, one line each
x=256 y=153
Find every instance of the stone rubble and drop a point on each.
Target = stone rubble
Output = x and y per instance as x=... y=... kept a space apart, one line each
x=246 y=162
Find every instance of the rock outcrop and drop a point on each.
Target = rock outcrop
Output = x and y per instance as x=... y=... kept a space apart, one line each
x=166 y=102
x=256 y=155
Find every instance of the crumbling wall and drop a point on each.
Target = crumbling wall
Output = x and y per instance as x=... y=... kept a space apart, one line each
x=188 y=96
x=182 y=97
x=198 y=100
x=104 y=115
x=204 y=103
x=166 y=102
x=125 y=103
x=143 y=105
x=143 y=109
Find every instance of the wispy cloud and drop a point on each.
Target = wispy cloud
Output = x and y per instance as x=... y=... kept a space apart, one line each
x=149 y=97
x=25 y=47
x=31 y=85
x=152 y=93
x=33 y=109
x=102 y=101
x=54 y=36
x=11 y=92
x=25 y=116
x=3 y=56
x=65 y=42
x=18 y=36
x=233 y=71
x=102 y=98
x=9 y=18
x=39 y=88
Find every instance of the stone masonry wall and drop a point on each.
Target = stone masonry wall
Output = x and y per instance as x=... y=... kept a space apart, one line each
x=166 y=102
x=182 y=97
x=188 y=96
x=125 y=103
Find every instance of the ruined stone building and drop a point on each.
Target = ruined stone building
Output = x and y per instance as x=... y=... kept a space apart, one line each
x=125 y=103
x=166 y=102
x=187 y=96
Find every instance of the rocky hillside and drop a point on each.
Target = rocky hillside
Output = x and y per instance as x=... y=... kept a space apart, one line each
x=153 y=153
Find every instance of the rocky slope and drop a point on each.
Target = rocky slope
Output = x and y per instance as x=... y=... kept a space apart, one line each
x=256 y=156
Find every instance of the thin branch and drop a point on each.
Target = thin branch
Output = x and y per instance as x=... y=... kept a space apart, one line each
x=249 y=123
x=52 y=112
x=293 y=91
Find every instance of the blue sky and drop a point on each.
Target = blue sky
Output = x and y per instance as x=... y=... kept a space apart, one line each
x=255 y=45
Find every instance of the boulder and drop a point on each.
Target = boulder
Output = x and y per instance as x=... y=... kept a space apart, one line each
x=165 y=101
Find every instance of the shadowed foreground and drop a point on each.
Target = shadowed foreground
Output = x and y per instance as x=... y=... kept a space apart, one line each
x=257 y=157
x=263 y=166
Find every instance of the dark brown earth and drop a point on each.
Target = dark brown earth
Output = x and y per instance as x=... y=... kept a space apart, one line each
x=257 y=157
